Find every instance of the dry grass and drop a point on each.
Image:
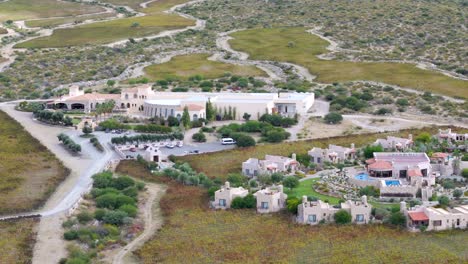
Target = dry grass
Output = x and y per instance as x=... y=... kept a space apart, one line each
x=53 y=22
x=191 y=232
x=30 y=9
x=296 y=46
x=189 y=65
x=114 y=30
x=29 y=173
x=219 y=164
x=17 y=238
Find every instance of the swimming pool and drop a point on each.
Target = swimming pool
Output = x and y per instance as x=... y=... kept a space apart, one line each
x=362 y=176
x=392 y=183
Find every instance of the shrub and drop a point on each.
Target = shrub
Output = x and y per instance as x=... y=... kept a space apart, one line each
x=397 y=219
x=291 y=182
x=457 y=193
x=465 y=173
x=369 y=150
x=244 y=140
x=99 y=214
x=443 y=200
x=106 y=201
x=383 y=111
x=402 y=102
x=114 y=217
x=237 y=203
x=70 y=235
x=84 y=217
x=277 y=177
x=448 y=184
x=369 y=191
x=333 y=118
x=122 y=182
x=342 y=217
x=129 y=209
x=102 y=180
x=199 y=137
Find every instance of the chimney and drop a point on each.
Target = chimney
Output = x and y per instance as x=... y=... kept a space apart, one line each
x=304 y=199
x=352 y=145
x=364 y=199
x=403 y=207
x=227 y=185
x=293 y=156
x=280 y=188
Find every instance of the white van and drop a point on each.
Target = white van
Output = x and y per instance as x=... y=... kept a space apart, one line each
x=228 y=141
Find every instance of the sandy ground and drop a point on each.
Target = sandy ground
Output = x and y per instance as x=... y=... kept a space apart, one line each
x=153 y=219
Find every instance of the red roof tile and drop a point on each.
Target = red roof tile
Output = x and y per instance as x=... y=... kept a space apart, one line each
x=418 y=216
x=440 y=155
x=381 y=165
x=414 y=172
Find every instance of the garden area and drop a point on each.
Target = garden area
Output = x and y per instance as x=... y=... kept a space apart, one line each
x=107 y=217
x=203 y=238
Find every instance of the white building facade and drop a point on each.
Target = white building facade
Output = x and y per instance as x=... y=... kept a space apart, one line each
x=225 y=195
x=271 y=199
x=271 y=164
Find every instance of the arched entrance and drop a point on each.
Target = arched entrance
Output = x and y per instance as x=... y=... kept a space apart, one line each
x=77 y=106
x=61 y=106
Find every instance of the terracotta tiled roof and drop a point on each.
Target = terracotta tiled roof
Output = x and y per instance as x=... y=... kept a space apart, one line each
x=370 y=161
x=440 y=155
x=381 y=165
x=93 y=96
x=414 y=173
x=418 y=216
x=192 y=107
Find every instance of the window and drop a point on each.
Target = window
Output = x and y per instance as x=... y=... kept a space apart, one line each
x=264 y=205
x=135 y=96
x=319 y=160
x=165 y=112
x=312 y=218
x=126 y=96
x=359 y=218
x=437 y=223
x=312 y=159
x=222 y=202
x=247 y=171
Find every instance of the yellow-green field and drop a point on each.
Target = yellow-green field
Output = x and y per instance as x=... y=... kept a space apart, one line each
x=193 y=232
x=297 y=46
x=53 y=22
x=29 y=173
x=17 y=238
x=120 y=29
x=189 y=65
x=31 y=9
x=231 y=160
x=135 y=4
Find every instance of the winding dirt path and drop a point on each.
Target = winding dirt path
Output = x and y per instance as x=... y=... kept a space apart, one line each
x=153 y=221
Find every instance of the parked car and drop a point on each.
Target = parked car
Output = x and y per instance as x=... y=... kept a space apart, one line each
x=133 y=149
x=170 y=146
x=180 y=144
x=228 y=141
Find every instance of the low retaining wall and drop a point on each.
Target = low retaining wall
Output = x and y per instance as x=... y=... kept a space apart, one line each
x=363 y=183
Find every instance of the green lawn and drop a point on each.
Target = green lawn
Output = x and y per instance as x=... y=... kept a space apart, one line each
x=305 y=188
x=189 y=65
x=30 y=9
x=297 y=46
x=109 y=31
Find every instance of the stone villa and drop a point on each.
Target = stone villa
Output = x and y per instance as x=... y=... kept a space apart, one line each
x=332 y=154
x=395 y=143
x=312 y=213
x=143 y=101
x=271 y=164
x=271 y=199
x=436 y=218
x=225 y=195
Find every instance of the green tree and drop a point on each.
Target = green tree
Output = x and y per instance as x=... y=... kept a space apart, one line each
x=129 y=209
x=424 y=138
x=292 y=203
x=465 y=173
x=333 y=118
x=87 y=130
x=277 y=177
x=250 y=201
x=210 y=111
x=199 y=137
x=370 y=149
x=185 y=118
x=291 y=182
x=397 y=218
x=457 y=193
x=246 y=116
x=114 y=217
x=443 y=200
x=342 y=217
x=110 y=83
x=237 y=203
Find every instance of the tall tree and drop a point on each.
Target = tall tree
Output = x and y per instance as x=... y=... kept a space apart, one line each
x=210 y=111
x=185 y=118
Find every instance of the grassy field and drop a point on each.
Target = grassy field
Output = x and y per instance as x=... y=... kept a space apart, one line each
x=53 y=22
x=27 y=9
x=219 y=164
x=29 y=173
x=135 y=4
x=192 y=231
x=17 y=238
x=296 y=46
x=189 y=65
x=109 y=31
x=305 y=188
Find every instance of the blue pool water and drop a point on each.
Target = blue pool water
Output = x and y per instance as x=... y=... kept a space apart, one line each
x=363 y=177
x=392 y=182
